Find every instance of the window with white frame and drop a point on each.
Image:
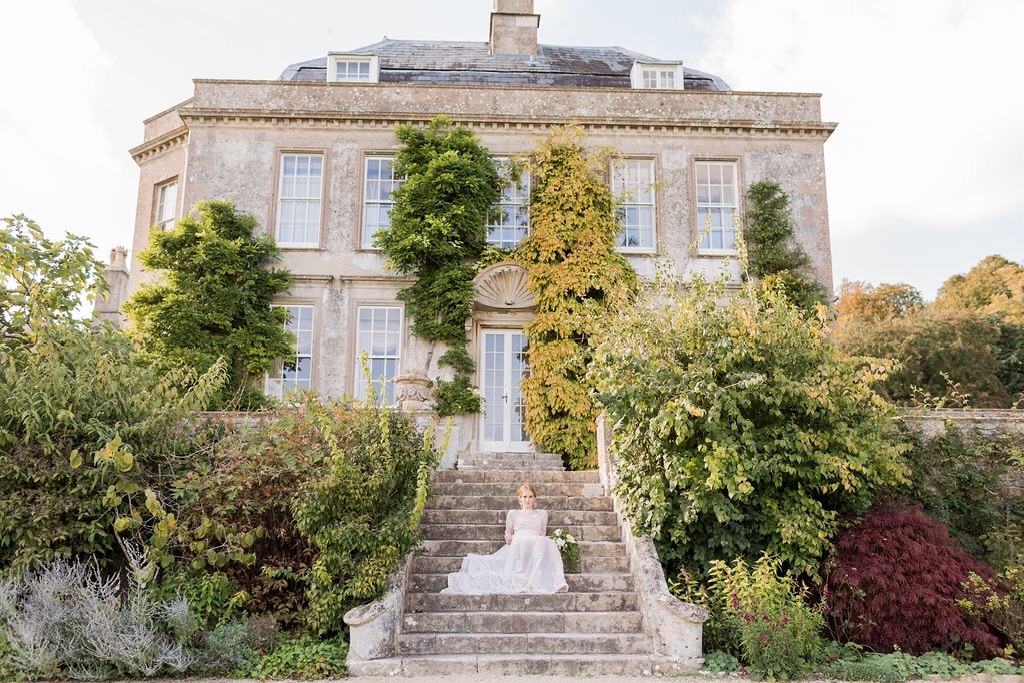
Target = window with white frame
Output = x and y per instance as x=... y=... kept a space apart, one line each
x=294 y=373
x=717 y=198
x=379 y=182
x=353 y=68
x=378 y=351
x=299 y=199
x=166 y=205
x=633 y=189
x=657 y=76
x=508 y=222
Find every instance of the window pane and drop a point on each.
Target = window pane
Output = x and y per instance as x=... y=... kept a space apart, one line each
x=299 y=192
x=378 y=345
x=633 y=188
x=294 y=372
x=378 y=184
x=716 y=192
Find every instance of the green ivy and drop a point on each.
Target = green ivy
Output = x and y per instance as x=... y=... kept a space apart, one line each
x=438 y=231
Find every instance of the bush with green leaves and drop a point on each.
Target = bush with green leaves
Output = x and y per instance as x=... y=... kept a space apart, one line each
x=778 y=631
x=234 y=647
x=301 y=658
x=738 y=426
x=90 y=433
x=438 y=230
x=970 y=482
x=305 y=511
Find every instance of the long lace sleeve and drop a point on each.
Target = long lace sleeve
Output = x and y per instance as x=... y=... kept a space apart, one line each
x=510 y=525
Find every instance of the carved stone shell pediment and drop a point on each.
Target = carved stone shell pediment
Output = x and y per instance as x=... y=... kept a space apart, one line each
x=502 y=287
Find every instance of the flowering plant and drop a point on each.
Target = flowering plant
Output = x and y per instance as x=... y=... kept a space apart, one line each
x=569 y=549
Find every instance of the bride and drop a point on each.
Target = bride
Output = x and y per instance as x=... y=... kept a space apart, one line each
x=528 y=563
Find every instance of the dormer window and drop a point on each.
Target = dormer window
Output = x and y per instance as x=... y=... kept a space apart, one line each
x=666 y=76
x=347 y=68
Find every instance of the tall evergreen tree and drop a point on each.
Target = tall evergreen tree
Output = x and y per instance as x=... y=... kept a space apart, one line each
x=213 y=299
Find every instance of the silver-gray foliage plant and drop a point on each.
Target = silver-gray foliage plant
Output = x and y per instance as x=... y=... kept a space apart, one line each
x=67 y=620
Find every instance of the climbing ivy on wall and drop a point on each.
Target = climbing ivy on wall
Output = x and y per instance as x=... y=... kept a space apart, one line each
x=576 y=277
x=438 y=230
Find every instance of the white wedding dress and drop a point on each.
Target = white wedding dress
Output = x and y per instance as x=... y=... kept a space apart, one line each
x=531 y=563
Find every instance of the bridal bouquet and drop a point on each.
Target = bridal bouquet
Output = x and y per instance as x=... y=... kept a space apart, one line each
x=569 y=549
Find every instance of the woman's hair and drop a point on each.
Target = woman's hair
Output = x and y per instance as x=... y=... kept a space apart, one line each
x=524 y=488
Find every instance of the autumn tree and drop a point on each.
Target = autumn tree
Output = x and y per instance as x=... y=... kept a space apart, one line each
x=213 y=299
x=863 y=302
x=994 y=286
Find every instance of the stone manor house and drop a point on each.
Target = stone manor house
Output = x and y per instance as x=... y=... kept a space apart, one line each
x=309 y=155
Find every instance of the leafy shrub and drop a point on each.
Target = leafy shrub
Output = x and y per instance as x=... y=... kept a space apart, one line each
x=89 y=433
x=999 y=603
x=717 y=661
x=577 y=277
x=739 y=427
x=235 y=646
x=779 y=633
x=845 y=670
x=360 y=507
x=67 y=620
x=894 y=580
x=301 y=658
x=456 y=396
x=306 y=511
x=966 y=481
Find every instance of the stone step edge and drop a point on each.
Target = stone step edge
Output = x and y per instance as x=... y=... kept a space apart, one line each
x=411 y=666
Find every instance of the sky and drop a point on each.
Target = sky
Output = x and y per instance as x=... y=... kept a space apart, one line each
x=923 y=171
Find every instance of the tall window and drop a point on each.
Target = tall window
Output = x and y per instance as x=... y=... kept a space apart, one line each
x=379 y=347
x=294 y=373
x=716 y=206
x=508 y=222
x=633 y=188
x=380 y=181
x=298 y=204
x=166 y=205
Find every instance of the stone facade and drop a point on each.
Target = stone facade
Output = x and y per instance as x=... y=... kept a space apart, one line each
x=229 y=139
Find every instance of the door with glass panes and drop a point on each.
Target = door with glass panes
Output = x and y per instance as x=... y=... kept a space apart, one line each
x=503 y=366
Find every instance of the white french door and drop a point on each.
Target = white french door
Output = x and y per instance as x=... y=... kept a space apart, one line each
x=503 y=366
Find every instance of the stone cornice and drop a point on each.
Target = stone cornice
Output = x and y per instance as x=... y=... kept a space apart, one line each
x=160 y=144
x=536 y=124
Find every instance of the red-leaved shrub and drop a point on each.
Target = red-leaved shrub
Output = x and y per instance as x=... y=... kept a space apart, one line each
x=894 y=581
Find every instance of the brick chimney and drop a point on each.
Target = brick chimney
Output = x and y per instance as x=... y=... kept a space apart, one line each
x=514 y=28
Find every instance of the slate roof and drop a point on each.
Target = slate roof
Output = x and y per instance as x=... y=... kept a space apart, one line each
x=471 y=63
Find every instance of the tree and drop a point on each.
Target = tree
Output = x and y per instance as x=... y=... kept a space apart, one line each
x=943 y=356
x=862 y=302
x=214 y=299
x=995 y=285
x=577 y=278
x=772 y=250
x=44 y=280
x=438 y=230
x=739 y=427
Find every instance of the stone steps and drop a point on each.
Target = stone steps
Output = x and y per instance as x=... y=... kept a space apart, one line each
x=596 y=628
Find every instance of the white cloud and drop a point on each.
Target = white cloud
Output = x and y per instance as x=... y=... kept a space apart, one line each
x=56 y=149
x=923 y=92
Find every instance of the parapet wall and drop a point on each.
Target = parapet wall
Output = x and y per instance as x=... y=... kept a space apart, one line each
x=988 y=422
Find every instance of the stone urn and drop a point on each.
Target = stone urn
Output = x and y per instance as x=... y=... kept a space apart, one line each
x=414 y=391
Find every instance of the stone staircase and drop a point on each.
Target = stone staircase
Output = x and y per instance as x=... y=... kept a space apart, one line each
x=596 y=628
